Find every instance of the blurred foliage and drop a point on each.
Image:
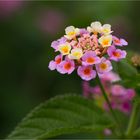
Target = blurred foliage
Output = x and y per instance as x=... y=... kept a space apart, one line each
x=62 y=115
x=25 y=50
x=129 y=74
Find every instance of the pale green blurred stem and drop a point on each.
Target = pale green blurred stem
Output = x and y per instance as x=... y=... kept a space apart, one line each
x=107 y=100
x=132 y=121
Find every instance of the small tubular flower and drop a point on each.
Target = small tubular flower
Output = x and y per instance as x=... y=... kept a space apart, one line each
x=116 y=54
x=86 y=72
x=66 y=66
x=56 y=43
x=90 y=58
x=54 y=63
x=118 y=90
x=76 y=53
x=110 y=76
x=106 y=29
x=105 y=41
x=96 y=27
x=88 y=50
x=64 y=48
x=104 y=66
x=119 y=42
x=71 y=32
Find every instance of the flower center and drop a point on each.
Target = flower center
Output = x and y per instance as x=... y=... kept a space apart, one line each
x=77 y=54
x=58 y=60
x=116 y=54
x=106 y=31
x=71 y=33
x=116 y=40
x=65 y=49
x=90 y=60
x=67 y=66
x=87 y=71
x=103 y=66
x=106 y=42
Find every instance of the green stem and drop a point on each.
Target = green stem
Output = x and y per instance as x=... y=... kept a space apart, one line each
x=107 y=100
x=137 y=132
x=132 y=121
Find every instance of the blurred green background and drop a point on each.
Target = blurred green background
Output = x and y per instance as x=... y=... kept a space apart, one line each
x=27 y=29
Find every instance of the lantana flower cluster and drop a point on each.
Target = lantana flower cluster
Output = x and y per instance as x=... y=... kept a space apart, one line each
x=88 y=50
x=119 y=96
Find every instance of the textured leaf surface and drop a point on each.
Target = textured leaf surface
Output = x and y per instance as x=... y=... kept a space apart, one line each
x=61 y=115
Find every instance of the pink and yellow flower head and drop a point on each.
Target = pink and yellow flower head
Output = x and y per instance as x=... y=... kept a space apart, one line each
x=87 y=50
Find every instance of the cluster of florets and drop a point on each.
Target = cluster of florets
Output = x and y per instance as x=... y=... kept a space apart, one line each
x=89 y=51
x=119 y=96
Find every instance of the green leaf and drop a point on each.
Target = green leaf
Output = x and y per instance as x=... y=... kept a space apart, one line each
x=62 y=115
x=125 y=70
x=137 y=133
x=133 y=82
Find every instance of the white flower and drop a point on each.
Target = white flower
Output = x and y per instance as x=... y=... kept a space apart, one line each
x=106 y=29
x=76 y=53
x=96 y=27
x=105 y=41
x=71 y=32
x=64 y=48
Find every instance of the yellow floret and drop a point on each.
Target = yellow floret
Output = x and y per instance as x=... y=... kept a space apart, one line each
x=71 y=32
x=65 y=49
x=105 y=41
x=76 y=53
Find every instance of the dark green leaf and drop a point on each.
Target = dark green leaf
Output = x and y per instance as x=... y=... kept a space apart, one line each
x=62 y=115
x=125 y=69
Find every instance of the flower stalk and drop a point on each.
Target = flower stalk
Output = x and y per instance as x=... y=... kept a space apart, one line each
x=106 y=98
x=132 y=121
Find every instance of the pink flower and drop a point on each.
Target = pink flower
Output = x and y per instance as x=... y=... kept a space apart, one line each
x=107 y=132
x=110 y=77
x=120 y=97
x=56 y=43
x=51 y=21
x=130 y=94
x=125 y=107
x=9 y=7
x=86 y=72
x=83 y=31
x=118 y=90
x=86 y=88
x=123 y=42
x=95 y=90
x=119 y=42
x=90 y=58
x=66 y=66
x=116 y=54
x=88 y=42
x=54 y=63
x=104 y=66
